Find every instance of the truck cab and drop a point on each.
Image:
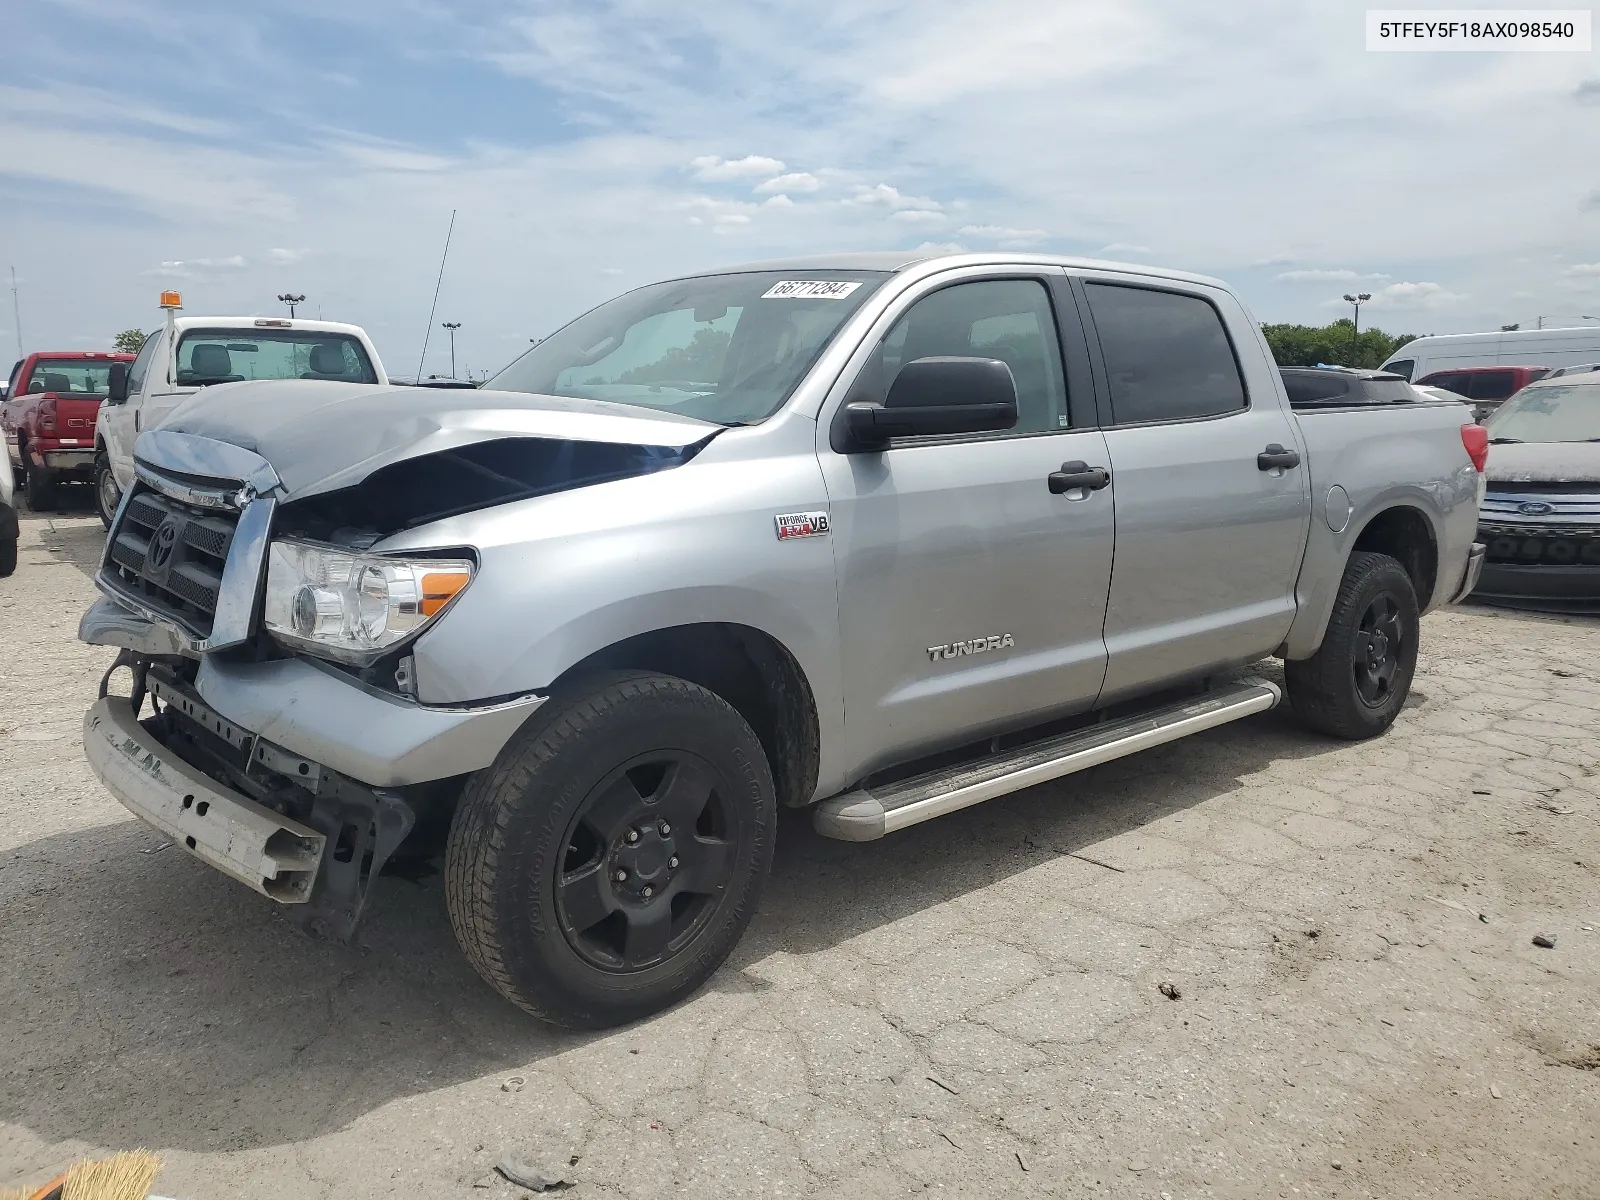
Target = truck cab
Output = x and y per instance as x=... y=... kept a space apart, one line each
x=192 y=354
x=50 y=417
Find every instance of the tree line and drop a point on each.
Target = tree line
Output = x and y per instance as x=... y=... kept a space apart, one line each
x=1335 y=344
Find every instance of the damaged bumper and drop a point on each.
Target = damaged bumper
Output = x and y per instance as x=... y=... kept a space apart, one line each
x=246 y=841
x=325 y=716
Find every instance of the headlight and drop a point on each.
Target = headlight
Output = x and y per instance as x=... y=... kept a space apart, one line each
x=351 y=606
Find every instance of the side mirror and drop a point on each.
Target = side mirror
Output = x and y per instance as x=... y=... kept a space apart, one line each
x=117 y=384
x=932 y=396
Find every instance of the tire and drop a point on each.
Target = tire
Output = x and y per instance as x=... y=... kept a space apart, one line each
x=586 y=790
x=1354 y=686
x=105 y=489
x=40 y=488
x=8 y=557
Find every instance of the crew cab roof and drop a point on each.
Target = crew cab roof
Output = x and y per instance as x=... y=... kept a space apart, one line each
x=183 y=323
x=901 y=260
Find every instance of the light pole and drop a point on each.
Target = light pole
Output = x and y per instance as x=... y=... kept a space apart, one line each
x=291 y=300
x=1355 y=338
x=452 y=326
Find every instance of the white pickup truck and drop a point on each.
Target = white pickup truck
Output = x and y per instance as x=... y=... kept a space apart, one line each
x=192 y=353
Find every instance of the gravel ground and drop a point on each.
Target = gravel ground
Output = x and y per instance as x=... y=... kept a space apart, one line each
x=973 y=1007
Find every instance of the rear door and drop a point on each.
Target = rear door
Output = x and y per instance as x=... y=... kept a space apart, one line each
x=1211 y=506
x=971 y=595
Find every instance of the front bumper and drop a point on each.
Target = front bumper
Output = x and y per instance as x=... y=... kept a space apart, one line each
x=326 y=716
x=1568 y=588
x=268 y=853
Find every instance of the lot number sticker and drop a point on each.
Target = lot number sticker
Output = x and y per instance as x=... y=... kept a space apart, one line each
x=809 y=289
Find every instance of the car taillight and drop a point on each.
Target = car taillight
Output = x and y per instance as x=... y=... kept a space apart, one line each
x=47 y=415
x=1476 y=439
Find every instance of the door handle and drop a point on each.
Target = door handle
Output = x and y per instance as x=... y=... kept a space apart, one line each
x=1077 y=474
x=1276 y=456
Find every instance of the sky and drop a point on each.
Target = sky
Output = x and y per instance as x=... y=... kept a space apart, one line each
x=588 y=146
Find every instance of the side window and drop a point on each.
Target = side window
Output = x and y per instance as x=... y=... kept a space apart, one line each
x=1008 y=319
x=1167 y=355
x=1402 y=367
x=1492 y=385
x=141 y=364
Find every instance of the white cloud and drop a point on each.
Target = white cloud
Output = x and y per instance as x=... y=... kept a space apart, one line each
x=1584 y=270
x=1338 y=275
x=882 y=195
x=1004 y=235
x=1122 y=248
x=781 y=200
x=795 y=181
x=281 y=256
x=942 y=248
x=198 y=268
x=917 y=216
x=718 y=170
x=1412 y=297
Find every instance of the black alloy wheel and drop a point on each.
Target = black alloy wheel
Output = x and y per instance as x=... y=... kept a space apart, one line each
x=647 y=858
x=1380 y=647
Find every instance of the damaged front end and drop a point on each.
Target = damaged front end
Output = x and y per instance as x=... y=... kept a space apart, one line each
x=298 y=772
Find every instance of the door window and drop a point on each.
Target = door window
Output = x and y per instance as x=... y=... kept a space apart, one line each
x=1008 y=319
x=1402 y=367
x=1167 y=355
x=141 y=364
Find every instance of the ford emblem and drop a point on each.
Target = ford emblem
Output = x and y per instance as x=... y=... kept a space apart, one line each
x=1535 y=508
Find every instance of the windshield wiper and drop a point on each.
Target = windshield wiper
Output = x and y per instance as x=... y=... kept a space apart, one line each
x=1504 y=441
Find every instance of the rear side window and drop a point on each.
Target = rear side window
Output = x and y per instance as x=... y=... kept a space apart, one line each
x=1491 y=385
x=1167 y=355
x=1403 y=367
x=1388 y=391
x=1311 y=389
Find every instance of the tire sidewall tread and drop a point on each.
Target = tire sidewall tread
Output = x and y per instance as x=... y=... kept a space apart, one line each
x=497 y=878
x=1321 y=688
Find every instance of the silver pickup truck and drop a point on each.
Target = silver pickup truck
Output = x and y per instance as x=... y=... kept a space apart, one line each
x=881 y=535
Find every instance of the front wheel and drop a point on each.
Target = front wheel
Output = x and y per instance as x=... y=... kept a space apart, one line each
x=609 y=860
x=108 y=496
x=1354 y=686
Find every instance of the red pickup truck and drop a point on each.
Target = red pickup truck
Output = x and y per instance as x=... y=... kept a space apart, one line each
x=48 y=418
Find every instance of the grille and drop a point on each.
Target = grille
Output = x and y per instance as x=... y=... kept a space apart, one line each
x=1541 y=547
x=170 y=556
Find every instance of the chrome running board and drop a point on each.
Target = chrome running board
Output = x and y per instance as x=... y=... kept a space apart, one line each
x=868 y=814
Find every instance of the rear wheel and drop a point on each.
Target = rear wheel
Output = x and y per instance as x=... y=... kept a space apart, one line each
x=107 y=494
x=1358 y=680
x=40 y=488
x=607 y=863
x=8 y=557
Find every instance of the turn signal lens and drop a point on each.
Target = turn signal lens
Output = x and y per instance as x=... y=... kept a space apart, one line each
x=1476 y=439
x=440 y=587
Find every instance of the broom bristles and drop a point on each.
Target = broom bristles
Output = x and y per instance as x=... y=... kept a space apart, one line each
x=125 y=1176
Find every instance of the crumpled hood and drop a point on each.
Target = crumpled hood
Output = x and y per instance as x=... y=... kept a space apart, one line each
x=1544 y=462
x=320 y=435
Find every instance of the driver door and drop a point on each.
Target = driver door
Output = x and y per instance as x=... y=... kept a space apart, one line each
x=972 y=596
x=119 y=423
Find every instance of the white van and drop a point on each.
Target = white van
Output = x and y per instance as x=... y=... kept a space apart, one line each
x=1515 y=347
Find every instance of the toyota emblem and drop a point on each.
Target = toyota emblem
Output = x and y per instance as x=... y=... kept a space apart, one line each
x=163 y=543
x=1535 y=508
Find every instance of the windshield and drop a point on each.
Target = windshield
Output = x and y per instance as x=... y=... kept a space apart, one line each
x=70 y=376
x=721 y=348
x=1553 y=413
x=208 y=356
